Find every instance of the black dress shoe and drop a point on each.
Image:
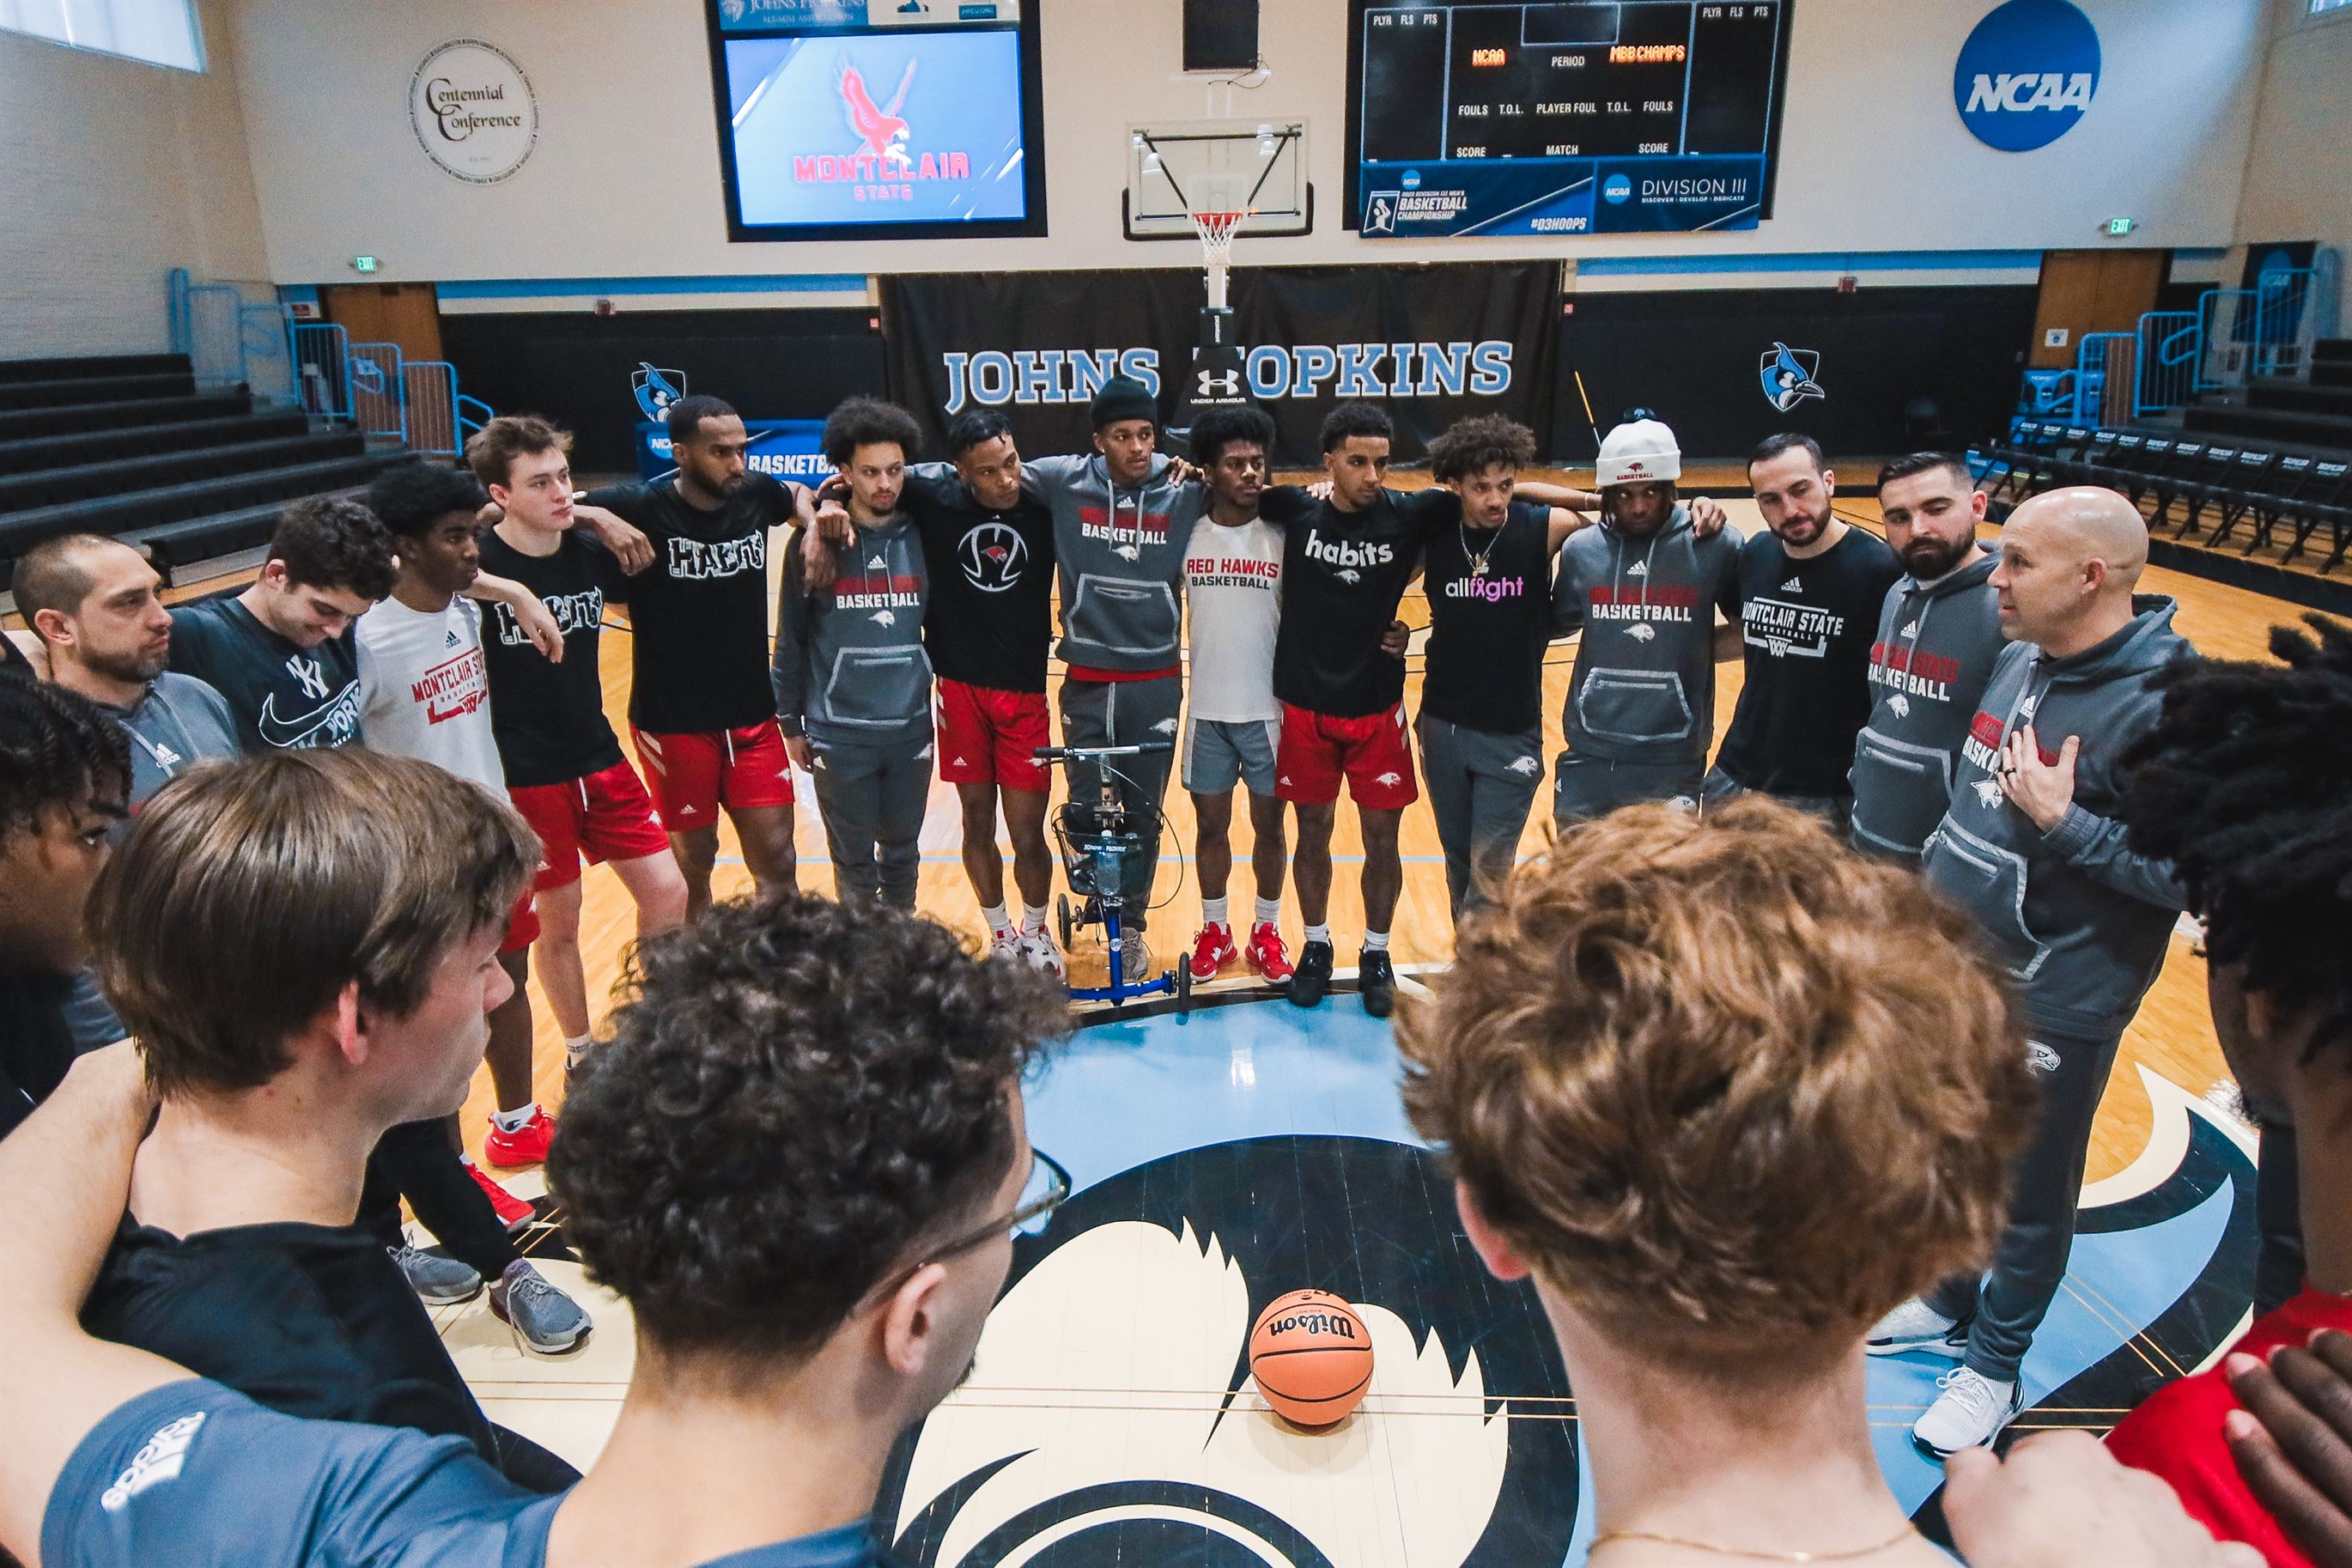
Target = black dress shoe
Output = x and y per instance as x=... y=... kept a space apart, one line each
x=1377 y=981
x=1312 y=978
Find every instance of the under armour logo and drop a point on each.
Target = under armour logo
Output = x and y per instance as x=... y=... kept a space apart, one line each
x=1792 y=586
x=1219 y=384
x=309 y=672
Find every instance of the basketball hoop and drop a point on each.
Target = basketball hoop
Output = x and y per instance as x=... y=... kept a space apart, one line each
x=1217 y=230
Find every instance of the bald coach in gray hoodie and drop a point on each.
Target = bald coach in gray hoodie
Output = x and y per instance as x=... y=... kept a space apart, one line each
x=2030 y=845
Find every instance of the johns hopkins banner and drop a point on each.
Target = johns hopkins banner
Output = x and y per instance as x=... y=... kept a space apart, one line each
x=1429 y=344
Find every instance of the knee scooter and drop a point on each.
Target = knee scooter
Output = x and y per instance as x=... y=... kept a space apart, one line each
x=1097 y=843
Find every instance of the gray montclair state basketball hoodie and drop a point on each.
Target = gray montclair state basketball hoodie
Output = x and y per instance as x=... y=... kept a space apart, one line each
x=1935 y=648
x=850 y=668
x=2080 y=920
x=1643 y=688
x=1120 y=554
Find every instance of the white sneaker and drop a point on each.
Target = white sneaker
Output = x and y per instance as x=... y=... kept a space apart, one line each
x=1008 y=945
x=1969 y=1414
x=1916 y=1326
x=1038 y=949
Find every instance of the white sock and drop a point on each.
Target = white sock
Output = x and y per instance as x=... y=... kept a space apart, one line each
x=1212 y=911
x=1033 y=919
x=517 y=1119
x=999 y=922
x=1269 y=911
x=1319 y=933
x=575 y=1047
x=1376 y=941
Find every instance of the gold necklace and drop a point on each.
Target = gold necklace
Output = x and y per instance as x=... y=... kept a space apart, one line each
x=1897 y=1538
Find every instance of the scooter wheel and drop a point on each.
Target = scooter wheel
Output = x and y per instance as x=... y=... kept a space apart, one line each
x=1184 y=987
x=1062 y=903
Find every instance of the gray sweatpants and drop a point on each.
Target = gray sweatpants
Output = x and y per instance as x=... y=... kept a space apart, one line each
x=1480 y=787
x=2004 y=1306
x=1125 y=714
x=872 y=798
x=1585 y=787
x=1837 y=810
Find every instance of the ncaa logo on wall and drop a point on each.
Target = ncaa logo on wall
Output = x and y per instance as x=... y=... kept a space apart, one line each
x=2027 y=74
x=473 y=111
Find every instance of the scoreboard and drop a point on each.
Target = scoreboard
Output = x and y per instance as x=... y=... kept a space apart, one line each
x=1615 y=117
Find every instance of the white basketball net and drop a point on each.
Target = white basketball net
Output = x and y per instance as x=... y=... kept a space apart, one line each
x=1217 y=230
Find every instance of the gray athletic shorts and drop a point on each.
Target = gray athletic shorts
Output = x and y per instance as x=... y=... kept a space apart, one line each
x=1220 y=753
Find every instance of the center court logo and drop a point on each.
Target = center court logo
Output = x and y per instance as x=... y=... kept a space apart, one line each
x=2027 y=74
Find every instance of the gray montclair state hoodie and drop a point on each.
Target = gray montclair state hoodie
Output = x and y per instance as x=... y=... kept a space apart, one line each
x=850 y=667
x=1643 y=688
x=1121 y=557
x=2080 y=920
x=1935 y=652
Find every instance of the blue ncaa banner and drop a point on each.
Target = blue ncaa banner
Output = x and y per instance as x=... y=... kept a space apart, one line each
x=788 y=449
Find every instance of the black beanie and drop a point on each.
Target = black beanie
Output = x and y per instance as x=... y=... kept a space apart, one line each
x=1124 y=397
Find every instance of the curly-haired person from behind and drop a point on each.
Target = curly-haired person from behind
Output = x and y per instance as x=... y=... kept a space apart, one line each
x=799 y=1158
x=1677 y=1073
x=65 y=785
x=2241 y=786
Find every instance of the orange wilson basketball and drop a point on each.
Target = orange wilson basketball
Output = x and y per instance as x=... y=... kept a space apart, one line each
x=1312 y=1357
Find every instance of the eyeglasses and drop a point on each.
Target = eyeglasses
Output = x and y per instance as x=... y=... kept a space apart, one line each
x=1047 y=1186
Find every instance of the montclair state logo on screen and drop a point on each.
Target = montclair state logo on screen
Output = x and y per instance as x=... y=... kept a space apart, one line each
x=881 y=163
x=1022 y=376
x=2027 y=74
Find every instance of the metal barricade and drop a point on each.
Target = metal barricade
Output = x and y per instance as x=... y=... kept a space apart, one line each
x=379 y=390
x=322 y=368
x=2169 y=351
x=431 y=390
x=207 y=325
x=2268 y=329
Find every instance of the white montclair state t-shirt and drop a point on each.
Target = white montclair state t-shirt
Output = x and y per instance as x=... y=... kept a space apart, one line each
x=424 y=692
x=1232 y=578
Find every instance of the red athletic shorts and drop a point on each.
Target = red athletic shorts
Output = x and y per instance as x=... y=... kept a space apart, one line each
x=522 y=925
x=604 y=816
x=1374 y=754
x=693 y=776
x=987 y=736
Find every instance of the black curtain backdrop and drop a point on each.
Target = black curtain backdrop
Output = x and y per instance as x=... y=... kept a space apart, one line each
x=1429 y=343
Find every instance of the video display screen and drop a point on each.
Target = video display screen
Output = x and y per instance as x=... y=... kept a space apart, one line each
x=913 y=119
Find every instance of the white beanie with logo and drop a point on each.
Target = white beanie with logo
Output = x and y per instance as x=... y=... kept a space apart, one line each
x=1638 y=453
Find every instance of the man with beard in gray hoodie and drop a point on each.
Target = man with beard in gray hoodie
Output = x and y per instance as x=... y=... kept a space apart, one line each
x=2031 y=846
x=1939 y=637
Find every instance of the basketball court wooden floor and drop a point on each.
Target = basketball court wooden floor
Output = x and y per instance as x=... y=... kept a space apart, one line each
x=1252 y=1148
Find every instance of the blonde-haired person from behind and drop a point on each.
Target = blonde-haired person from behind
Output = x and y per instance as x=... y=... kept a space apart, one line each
x=1726 y=1093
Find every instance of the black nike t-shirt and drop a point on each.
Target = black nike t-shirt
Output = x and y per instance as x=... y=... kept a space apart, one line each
x=549 y=719
x=991 y=618
x=1342 y=575
x=1808 y=627
x=699 y=612
x=1489 y=629
x=313 y=1321
x=281 y=696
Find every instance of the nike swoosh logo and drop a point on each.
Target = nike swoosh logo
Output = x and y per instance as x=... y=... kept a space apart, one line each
x=338 y=716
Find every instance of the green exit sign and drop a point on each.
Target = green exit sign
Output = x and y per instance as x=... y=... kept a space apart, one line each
x=368 y=263
x=2119 y=227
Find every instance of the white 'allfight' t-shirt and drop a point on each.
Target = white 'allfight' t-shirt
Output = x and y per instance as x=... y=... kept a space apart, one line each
x=1232 y=578
x=424 y=692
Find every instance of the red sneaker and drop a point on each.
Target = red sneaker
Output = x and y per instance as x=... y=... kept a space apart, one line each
x=1213 y=949
x=1267 y=955
x=513 y=1212
x=526 y=1145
